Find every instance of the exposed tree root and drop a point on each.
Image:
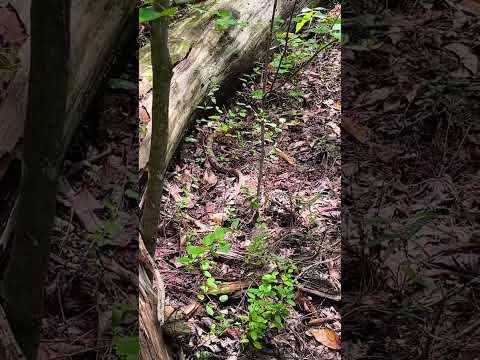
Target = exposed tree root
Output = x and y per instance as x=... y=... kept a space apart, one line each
x=213 y=160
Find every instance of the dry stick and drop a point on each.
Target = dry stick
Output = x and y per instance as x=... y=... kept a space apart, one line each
x=269 y=50
x=301 y=66
x=261 y=164
x=286 y=46
x=304 y=64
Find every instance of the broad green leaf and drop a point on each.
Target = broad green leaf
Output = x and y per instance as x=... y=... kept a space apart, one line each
x=211 y=282
x=127 y=347
x=205 y=265
x=209 y=310
x=224 y=246
x=122 y=84
x=224 y=13
x=258 y=94
x=184 y=260
x=225 y=22
x=195 y=251
x=219 y=233
x=146 y=14
x=223 y=298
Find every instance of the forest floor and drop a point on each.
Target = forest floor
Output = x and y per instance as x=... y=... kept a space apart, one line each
x=410 y=182
x=228 y=260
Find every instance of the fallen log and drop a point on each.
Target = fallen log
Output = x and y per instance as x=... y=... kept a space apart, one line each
x=205 y=55
x=96 y=27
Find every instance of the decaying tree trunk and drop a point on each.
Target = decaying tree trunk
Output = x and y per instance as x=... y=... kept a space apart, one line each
x=96 y=27
x=205 y=55
x=151 y=309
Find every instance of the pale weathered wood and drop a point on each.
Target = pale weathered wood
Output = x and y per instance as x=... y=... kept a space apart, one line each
x=205 y=55
x=96 y=26
x=9 y=349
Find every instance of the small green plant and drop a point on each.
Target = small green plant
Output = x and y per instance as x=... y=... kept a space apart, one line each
x=268 y=304
x=126 y=346
x=310 y=26
x=110 y=228
x=185 y=199
x=225 y=20
x=257 y=249
x=210 y=107
x=258 y=94
x=250 y=197
x=143 y=131
x=211 y=244
x=148 y=13
x=132 y=187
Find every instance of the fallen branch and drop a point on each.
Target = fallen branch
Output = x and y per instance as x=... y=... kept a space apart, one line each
x=334 y=297
x=230 y=287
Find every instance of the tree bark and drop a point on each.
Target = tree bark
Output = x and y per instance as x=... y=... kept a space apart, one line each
x=47 y=107
x=205 y=56
x=162 y=75
x=97 y=29
x=152 y=343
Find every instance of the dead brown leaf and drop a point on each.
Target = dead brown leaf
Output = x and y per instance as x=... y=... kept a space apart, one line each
x=467 y=57
x=374 y=97
x=327 y=337
x=218 y=218
x=286 y=157
x=84 y=206
x=358 y=132
x=210 y=178
x=471 y=6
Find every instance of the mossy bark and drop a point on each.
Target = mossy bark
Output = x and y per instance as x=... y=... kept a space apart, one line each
x=205 y=56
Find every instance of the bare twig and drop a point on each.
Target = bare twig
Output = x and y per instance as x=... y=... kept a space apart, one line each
x=303 y=65
x=285 y=50
x=325 y=295
x=261 y=164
